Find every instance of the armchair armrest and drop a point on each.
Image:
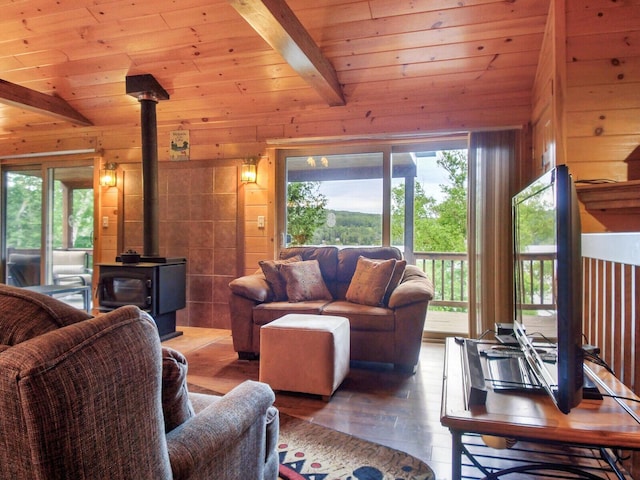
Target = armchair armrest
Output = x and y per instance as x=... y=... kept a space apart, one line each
x=415 y=287
x=253 y=287
x=219 y=428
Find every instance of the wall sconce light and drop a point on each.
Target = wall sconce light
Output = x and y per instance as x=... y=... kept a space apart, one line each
x=249 y=172
x=108 y=175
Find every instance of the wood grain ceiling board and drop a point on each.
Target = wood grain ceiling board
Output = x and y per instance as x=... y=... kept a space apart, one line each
x=431 y=53
x=388 y=54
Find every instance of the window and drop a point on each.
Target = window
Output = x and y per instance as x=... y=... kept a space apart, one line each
x=361 y=196
x=48 y=220
x=334 y=199
x=389 y=195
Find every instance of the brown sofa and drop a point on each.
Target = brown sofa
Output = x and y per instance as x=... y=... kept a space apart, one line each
x=388 y=333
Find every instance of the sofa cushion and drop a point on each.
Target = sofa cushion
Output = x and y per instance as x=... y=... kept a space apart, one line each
x=370 y=281
x=271 y=271
x=304 y=281
x=348 y=259
x=176 y=405
x=327 y=258
x=362 y=317
x=264 y=313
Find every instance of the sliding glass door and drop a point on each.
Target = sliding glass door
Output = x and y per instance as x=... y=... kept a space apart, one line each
x=412 y=196
x=48 y=223
x=23 y=226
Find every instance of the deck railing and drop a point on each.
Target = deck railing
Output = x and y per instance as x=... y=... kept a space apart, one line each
x=449 y=273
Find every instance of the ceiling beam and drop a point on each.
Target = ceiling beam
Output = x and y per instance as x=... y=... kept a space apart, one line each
x=22 y=97
x=279 y=27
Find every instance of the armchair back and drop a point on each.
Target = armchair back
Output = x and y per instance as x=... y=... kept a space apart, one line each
x=65 y=411
x=88 y=398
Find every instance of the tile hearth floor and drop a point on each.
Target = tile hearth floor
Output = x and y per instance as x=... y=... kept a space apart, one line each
x=397 y=410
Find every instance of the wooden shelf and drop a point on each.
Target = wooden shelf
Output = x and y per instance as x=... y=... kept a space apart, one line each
x=621 y=197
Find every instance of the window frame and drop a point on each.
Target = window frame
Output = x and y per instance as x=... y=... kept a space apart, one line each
x=281 y=184
x=386 y=147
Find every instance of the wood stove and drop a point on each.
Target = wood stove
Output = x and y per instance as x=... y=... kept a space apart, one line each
x=156 y=285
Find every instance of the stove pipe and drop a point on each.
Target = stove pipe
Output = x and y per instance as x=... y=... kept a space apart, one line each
x=150 y=197
x=148 y=92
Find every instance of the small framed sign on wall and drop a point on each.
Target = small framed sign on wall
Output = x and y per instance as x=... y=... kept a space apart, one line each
x=180 y=145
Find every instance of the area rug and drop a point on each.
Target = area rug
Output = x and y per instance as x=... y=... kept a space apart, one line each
x=309 y=451
x=313 y=452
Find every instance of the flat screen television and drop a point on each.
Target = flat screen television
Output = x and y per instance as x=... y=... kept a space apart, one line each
x=546 y=222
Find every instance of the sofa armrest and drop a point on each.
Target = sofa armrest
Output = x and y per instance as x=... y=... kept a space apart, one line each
x=254 y=287
x=415 y=287
x=228 y=425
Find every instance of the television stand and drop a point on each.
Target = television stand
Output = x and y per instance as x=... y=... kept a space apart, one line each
x=596 y=426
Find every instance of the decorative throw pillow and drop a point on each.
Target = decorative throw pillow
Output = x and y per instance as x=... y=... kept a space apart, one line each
x=271 y=271
x=396 y=278
x=176 y=406
x=304 y=281
x=370 y=281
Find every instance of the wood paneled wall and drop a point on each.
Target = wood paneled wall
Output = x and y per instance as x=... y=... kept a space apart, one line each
x=586 y=100
x=259 y=200
x=603 y=90
x=546 y=117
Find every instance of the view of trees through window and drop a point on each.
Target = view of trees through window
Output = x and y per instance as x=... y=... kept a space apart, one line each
x=329 y=204
x=81 y=221
x=440 y=210
x=24 y=211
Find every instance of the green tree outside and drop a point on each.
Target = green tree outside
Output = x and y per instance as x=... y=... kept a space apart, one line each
x=24 y=213
x=438 y=226
x=306 y=210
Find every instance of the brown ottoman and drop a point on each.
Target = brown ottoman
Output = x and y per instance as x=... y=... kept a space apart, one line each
x=305 y=353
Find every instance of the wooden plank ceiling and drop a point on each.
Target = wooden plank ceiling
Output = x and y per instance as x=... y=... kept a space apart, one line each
x=408 y=56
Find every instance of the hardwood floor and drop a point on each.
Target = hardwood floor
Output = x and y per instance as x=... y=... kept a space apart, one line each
x=398 y=410
x=378 y=404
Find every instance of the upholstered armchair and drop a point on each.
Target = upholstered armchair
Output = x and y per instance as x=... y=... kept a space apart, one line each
x=97 y=398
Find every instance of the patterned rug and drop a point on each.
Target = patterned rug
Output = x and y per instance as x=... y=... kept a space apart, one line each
x=309 y=451
x=313 y=452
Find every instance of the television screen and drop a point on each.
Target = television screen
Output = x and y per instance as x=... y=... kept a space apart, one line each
x=548 y=282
